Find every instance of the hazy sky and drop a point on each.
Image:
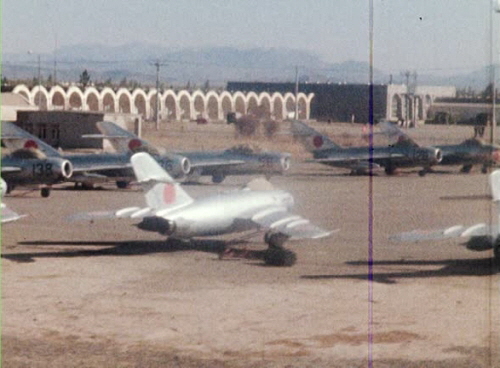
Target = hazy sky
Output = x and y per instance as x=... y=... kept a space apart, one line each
x=423 y=35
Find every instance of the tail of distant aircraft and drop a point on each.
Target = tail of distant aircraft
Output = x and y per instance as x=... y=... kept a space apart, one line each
x=15 y=138
x=161 y=191
x=310 y=138
x=396 y=135
x=121 y=139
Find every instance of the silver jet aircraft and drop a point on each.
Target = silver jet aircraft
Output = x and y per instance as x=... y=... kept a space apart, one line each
x=87 y=169
x=404 y=153
x=482 y=236
x=171 y=211
x=238 y=160
x=7 y=215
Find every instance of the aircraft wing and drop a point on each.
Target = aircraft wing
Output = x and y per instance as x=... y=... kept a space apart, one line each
x=346 y=157
x=7 y=169
x=280 y=220
x=456 y=231
x=99 y=167
x=9 y=215
x=214 y=163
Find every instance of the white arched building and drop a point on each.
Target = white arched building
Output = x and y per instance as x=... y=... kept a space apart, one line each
x=173 y=105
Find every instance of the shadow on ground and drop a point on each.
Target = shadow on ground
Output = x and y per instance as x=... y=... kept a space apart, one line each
x=131 y=248
x=449 y=268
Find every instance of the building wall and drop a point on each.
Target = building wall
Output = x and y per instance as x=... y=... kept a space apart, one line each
x=173 y=105
x=62 y=129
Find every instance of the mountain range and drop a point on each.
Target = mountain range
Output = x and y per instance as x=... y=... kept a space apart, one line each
x=135 y=62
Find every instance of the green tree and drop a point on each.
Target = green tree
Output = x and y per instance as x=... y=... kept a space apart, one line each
x=84 y=78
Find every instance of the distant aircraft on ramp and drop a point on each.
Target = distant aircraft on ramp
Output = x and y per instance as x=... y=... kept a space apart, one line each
x=82 y=169
x=470 y=152
x=238 y=160
x=404 y=153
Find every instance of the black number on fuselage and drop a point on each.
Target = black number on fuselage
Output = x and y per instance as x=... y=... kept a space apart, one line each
x=41 y=169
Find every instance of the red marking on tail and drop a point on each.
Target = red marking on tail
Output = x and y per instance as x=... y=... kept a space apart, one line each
x=318 y=141
x=134 y=144
x=169 y=194
x=30 y=144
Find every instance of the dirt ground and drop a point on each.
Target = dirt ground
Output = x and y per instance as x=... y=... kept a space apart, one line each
x=106 y=294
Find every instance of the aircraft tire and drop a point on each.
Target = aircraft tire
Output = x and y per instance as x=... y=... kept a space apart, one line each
x=122 y=184
x=218 y=178
x=484 y=169
x=275 y=240
x=280 y=257
x=422 y=173
x=466 y=169
x=45 y=192
x=389 y=170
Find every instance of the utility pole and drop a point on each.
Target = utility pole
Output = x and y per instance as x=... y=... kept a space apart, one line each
x=157 y=113
x=493 y=134
x=407 y=102
x=39 y=83
x=296 y=93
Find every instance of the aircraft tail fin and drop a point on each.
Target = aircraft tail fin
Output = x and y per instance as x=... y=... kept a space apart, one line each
x=15 y=138
x=121 y=139
x=161 y=191
x=396 y=135
x=310 y=138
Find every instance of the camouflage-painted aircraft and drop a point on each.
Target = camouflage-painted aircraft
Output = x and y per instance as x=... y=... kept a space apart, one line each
x=360 y=160
x=470 y=152
x=239 y=160
x=82 y=169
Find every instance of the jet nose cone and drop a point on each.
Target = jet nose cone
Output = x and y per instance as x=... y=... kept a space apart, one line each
x=496 y=155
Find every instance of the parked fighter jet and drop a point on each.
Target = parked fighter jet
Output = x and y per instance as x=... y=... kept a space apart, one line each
x=481 y=236
x=238 y=160
x=404 y=153
x=7 y=215
x=27 y=166
x=86 y=169
x=470 y=152
x=171 y=211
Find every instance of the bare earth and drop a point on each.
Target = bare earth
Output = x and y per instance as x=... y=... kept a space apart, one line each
x=106 y=294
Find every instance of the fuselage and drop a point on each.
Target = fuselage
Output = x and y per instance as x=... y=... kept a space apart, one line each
x=469 y=152
x=225 y=213
x=249 y=163
x=390 y=156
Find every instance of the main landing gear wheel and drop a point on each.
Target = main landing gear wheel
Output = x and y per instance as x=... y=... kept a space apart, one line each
x=389 y=170
x=422 y=172
x=496 y=254
x=484 y=169
x=466 y=169
x=218 y=178
x=121 y=184
x=45 y=192
x=276 y=254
